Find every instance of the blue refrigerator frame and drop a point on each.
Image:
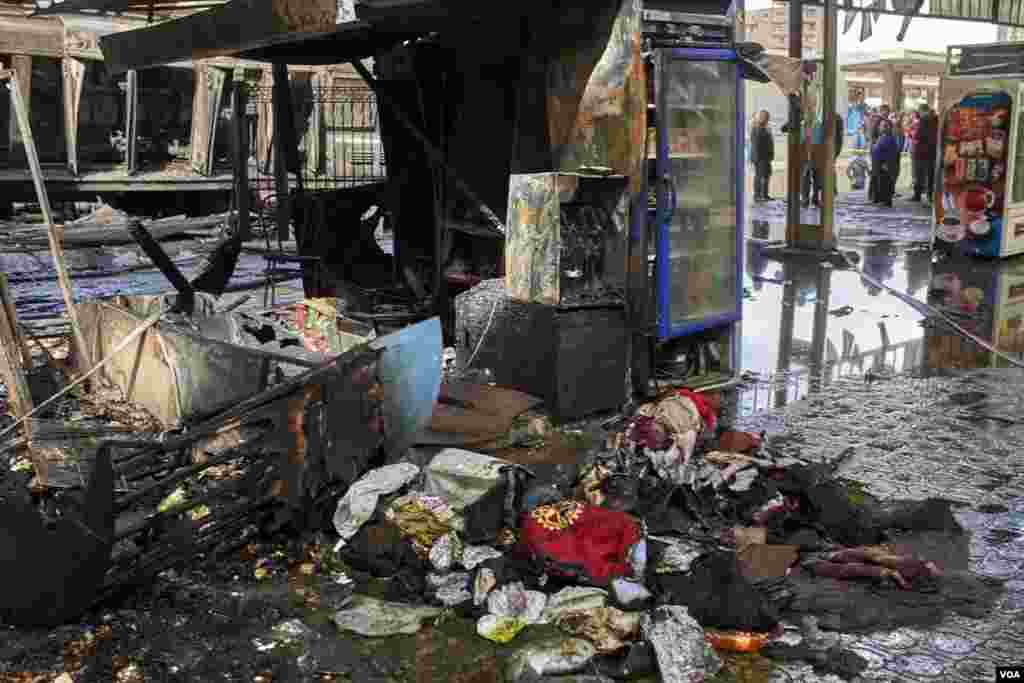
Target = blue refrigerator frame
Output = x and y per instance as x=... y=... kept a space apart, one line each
x=666 y=203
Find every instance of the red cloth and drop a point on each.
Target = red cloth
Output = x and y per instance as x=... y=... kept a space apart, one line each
x=595 y=547
x=707 y=415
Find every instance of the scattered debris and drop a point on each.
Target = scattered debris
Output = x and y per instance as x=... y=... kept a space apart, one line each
x=377 y=618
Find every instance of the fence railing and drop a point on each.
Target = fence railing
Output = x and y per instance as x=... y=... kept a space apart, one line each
x=338 y=130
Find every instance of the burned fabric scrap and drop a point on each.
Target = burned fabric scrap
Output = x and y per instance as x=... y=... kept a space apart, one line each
x=360 y=501
x=549 y=658
x=575 y=540
x=608 y=628
x=376 y=618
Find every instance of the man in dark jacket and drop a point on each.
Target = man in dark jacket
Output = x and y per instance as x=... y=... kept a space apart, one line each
x=762 y=154
x=926 y=139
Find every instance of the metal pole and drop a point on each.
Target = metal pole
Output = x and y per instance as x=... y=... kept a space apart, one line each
x=794 y=162
x=828 y=186
x=819 y=335
x=787 y=322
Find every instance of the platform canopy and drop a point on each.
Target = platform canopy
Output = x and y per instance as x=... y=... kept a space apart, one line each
x=918 y=62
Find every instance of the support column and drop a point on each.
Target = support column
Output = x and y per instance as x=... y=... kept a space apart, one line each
x=794 y=157
x=21 y=65
x=787 y=323
x=74 y=79
x=239 y=99
x=284 y=136
x=131 y=126
x=828 y=104
x=819 y=334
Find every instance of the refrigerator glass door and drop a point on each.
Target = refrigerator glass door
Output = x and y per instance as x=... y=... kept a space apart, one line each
x=699 y=169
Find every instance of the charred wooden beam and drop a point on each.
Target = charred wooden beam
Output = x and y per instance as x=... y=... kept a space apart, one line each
x=239 y=99
x=131 y=124
x=232 y=28
x=73 y=71
x=56 y=249
x=162 y=261
x=21 y=65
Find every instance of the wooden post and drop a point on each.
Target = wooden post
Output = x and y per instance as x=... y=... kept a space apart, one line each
x=74 y=80
x=794 y=160
x=21 y=65
x=53 y=232
x=131 y=126
x=8 y=303
x=282 y=131
x=241 y=144
x=12 y=371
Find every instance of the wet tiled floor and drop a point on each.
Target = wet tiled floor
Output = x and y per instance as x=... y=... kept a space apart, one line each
x=926 y=429
x=912 y=441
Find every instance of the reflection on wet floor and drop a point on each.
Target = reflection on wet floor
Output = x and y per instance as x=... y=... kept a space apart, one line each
x=807 y=323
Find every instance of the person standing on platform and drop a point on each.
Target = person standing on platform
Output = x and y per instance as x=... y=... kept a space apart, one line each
x=923 y=154
x=762 y=154
x=885 y=158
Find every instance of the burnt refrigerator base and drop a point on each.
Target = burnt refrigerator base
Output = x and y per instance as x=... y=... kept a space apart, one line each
x=574 y=358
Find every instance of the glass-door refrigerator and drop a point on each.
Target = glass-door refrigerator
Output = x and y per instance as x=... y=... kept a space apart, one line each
x=694 y=226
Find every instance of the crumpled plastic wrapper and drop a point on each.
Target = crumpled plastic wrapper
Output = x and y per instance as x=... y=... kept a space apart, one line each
x=446 y=553
x=630 y=593
x=483 y=584
x=360 y=501
x=551 y=657
x=499 y=629
x=679 y=645
x=422 y=519
x=377 y=618
x=286 y=633
x=574 y=599
x=475 y=555
x=608 y=628
x=462 y=477
x=513 y=600
x=450 y=589
x=677 y=557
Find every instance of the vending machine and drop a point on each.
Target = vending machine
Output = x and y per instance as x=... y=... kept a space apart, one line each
x=693 y=231
x=986 y=298
x=979 y=193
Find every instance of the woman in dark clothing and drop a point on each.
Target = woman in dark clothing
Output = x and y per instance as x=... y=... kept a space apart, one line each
x=885 y=156
x=762 y=154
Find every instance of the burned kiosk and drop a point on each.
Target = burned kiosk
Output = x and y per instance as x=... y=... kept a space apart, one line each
x=537 y=113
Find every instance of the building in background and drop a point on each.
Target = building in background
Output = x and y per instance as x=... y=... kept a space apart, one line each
x=770 y=28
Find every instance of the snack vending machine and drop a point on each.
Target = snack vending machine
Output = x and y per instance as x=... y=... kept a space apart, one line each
x=979 y=202
x=987 y=299
x=692 y=233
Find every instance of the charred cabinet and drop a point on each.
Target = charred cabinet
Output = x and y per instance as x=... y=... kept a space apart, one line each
x=692 y=230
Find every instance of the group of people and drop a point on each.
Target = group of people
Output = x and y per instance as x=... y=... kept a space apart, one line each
x=888 y=134
x=815 y=161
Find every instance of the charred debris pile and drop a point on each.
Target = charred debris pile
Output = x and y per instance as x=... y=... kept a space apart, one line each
x=655 y=542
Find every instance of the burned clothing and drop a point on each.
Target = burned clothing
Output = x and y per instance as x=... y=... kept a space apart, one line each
x=717 y=595
x=576 y=540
